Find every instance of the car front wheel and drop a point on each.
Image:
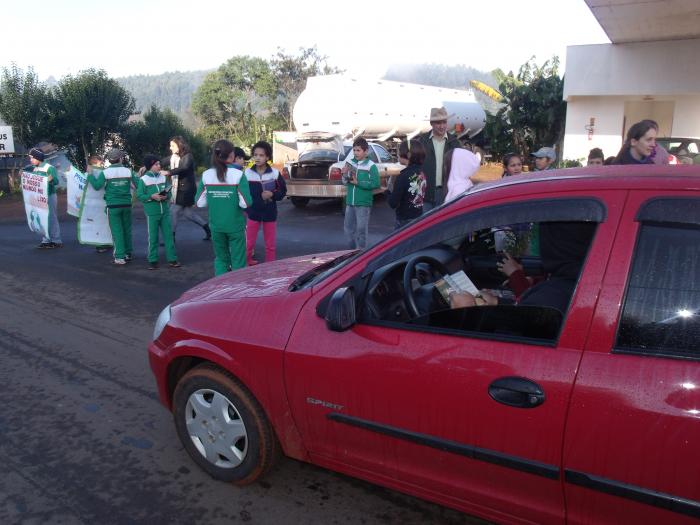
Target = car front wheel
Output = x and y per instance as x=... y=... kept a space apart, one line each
x=222 y=426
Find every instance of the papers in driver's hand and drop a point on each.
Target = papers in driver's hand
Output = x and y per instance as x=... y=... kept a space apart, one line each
x=457 y=282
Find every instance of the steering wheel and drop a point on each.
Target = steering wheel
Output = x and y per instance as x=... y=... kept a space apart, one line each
x=408 y=276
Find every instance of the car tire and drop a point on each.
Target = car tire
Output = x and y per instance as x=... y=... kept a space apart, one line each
x=300 y=202
x=223 y=427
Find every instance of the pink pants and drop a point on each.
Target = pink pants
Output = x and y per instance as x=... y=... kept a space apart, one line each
x=251 y=235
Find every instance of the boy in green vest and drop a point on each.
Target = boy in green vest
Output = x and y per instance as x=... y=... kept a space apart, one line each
x=36 y=157
x=361 y=176
x=154 y=191
x=117 y=181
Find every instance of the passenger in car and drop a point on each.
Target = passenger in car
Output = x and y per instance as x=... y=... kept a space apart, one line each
x=564 y=246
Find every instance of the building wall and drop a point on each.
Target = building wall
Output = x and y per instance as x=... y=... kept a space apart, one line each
x=608 y=113
x=619 y=84
x=642 y=68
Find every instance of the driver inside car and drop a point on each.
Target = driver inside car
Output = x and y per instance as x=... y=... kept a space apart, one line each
x=563 y=248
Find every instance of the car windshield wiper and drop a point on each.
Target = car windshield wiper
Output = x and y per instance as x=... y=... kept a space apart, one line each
x=317 y=270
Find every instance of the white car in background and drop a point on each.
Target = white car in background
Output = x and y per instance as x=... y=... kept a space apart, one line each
x=317 y=173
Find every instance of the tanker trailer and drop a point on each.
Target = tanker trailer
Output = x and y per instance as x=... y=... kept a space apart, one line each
x=382 y=109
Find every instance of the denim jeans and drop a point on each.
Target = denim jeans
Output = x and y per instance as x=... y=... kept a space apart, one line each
x=356 y=225
x=54 y=228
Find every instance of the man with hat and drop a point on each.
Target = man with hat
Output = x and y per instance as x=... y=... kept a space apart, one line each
x=36 y=157
x=117 y=181
x=544 y=158
x=436 y=143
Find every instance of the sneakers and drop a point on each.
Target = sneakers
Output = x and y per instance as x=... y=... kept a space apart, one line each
x=101 y=249
x=119 y=261
x=44 y=245
x=174 y=264
x=128 y=257
x=152 y=265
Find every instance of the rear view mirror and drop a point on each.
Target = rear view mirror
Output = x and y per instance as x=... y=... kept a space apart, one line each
x=340 y=314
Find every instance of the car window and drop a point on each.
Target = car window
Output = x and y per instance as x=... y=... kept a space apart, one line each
x=527 y=301
x=324 y=155
x=661 y=312
x=372 y=155
x=384 y=155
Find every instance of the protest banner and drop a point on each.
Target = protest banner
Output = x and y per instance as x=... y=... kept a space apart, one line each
x=93 y=225
x=75 y=184
x=35 y=191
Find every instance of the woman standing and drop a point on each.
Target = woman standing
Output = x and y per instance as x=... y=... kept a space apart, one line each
x=640 y=144
x=180 y=164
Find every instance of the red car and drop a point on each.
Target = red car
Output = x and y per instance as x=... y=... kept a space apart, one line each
x=575 y=400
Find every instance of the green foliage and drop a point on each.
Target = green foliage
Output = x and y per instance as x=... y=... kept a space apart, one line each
x=237 y=101
x=25 y=104
x=571 y=163
x=153 y=134
x=290 y=73
x=534 y=112
x=92 y=109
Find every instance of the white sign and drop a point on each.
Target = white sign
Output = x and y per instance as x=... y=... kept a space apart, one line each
x=75 y=184
x=7 y=143
x=35 y=190
x=93 y=225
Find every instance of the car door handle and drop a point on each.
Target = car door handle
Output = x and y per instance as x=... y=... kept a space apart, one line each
x=516 y=392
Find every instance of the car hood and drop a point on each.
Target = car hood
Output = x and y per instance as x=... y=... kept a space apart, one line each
x=265 y=280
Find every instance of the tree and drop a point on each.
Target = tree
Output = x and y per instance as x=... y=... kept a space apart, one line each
x=92 y=109
x=290 y=73
x=24 y=105
x=534 y=111
x=153 y=134
x=237 y=101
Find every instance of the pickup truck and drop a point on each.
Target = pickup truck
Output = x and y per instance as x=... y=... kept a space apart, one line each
x=316 y=175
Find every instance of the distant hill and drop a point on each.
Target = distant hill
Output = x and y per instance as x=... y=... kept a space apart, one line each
x=171 y=90
x=442 y=75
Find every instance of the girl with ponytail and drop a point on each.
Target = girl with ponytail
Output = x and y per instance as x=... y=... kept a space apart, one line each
x=224 y=189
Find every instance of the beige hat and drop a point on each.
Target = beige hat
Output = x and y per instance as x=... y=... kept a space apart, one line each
x=439 y=114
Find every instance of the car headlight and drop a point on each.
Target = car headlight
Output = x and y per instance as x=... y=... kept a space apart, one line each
x=162 y=320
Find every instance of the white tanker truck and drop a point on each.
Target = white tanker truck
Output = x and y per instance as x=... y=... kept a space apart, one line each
x=382 y=111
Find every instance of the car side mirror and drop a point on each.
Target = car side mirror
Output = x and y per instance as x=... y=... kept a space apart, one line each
x=340 y=314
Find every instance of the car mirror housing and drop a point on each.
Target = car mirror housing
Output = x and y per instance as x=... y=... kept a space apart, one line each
x=340 y=314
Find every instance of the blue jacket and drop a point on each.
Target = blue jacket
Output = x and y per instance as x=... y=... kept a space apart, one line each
x=261 y=210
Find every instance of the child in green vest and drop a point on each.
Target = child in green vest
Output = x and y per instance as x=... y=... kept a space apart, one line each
x=117 y=181
x=154 y=192
x=36 y=157
x=224 y=189
x=361 y=176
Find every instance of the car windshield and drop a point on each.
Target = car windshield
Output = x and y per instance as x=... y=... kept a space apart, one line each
x=319 y=155
x=320 y=272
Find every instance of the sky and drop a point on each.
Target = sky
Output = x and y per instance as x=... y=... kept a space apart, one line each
x=153 y=36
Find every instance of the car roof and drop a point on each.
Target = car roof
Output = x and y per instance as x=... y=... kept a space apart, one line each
x=605 y=177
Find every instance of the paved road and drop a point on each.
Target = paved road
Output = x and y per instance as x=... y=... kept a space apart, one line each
x=83 y=438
